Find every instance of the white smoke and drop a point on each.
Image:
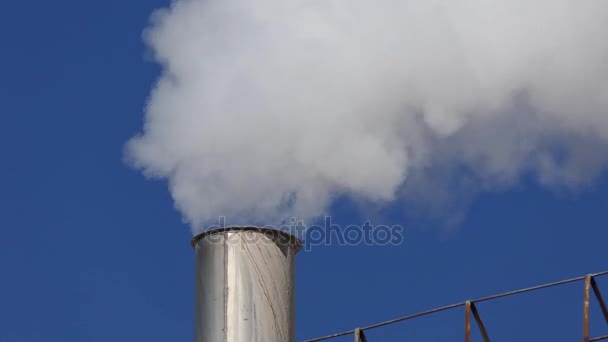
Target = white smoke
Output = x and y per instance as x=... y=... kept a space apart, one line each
x=268 y=109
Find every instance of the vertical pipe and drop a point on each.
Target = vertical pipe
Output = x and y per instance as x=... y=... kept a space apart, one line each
x=245 y=285
x=586 y=309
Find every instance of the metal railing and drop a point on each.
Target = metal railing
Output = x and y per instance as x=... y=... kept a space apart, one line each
x=470 y=308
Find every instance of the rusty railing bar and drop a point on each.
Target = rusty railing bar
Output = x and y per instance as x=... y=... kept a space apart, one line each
x=420 y=314
x=600 y=300
x=529 y=289
x=452 y=306
x=467 y=321
x=586 y=309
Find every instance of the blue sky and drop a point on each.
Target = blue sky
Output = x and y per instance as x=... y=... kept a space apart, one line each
x=92 y=251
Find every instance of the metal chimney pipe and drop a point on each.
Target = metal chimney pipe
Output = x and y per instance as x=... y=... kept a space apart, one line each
x=245 y=285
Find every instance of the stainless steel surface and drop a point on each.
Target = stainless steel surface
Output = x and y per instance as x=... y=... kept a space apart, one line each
x=245 y=285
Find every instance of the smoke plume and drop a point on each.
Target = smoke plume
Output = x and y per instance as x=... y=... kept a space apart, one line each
x=268 y=109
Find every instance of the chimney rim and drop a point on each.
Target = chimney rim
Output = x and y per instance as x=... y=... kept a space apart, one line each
x=293 y=240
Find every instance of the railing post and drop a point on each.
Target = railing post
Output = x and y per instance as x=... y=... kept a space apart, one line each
x=588 y=279
x=467 y=321
x=360 y=336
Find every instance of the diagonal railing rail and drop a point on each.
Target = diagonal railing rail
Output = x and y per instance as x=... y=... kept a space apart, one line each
x=470 y=308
